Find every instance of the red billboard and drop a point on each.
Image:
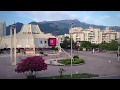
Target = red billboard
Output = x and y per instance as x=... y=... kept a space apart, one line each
x=52 y=41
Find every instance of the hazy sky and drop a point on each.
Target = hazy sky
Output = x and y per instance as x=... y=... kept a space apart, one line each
x=106 y=18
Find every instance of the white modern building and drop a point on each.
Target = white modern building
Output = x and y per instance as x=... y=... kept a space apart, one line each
x=30 y=36
x=3 y=29
x=94 y=35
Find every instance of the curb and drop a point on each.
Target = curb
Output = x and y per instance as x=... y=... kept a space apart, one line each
x=104 y=76
x=75 y=64
x=66 y=65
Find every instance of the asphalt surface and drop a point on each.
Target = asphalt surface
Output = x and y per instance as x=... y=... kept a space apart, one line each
x=106 y=65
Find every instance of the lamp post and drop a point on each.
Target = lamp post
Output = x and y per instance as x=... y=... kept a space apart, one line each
x=118 y=53
x=71 y=48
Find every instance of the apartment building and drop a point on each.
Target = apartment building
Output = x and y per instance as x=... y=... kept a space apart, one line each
x=108 y=35
x=94 y=35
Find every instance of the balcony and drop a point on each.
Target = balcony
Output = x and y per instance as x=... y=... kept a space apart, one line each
x=78 y=37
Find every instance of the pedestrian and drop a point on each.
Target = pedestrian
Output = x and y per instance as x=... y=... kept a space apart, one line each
x=93 y=51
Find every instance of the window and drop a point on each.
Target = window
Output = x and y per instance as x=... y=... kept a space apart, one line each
x=45 y=42
x=24 y=32
x=41 y=42
x=29 y=32
x=77 y=35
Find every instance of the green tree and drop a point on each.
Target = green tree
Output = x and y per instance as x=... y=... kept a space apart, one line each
x=94 y=45
x=67 y=43
x=85 y=44
x=104 y=45
x=54 y=48
x=113 y=45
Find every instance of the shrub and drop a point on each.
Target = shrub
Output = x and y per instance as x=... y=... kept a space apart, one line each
x=29 y=65
x=61 y=70
x=54 y=48
x=77 y=61
x=76 y=57
x=68 y=61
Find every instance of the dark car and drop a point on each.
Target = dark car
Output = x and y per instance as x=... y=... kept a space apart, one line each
x=117 y=55
x=44 y=53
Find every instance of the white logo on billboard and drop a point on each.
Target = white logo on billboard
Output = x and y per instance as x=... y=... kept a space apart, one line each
x=51 y=41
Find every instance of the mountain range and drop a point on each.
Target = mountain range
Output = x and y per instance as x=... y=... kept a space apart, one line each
x=60 y=27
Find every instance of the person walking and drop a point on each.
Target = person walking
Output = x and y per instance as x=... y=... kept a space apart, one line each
x=93 y=51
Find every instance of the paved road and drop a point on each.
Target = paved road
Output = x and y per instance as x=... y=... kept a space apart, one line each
x=98 y=56
x=97 y=63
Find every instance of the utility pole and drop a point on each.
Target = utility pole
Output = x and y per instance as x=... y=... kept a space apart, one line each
x=118 y=53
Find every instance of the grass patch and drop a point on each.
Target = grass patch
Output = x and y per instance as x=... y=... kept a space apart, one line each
x=74 y=76
x=68 y=61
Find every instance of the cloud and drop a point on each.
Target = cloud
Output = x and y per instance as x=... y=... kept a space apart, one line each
x=83 y=16
x=118 y=15
x=39 y=16
x=45 y=15
x=90 y=17
x=104 y=17
x=101 y=20
x=86 y=18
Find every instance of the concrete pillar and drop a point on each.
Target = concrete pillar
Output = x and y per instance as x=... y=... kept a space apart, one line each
x=13 y=43
x=14 y=62
x=11 y=48
x=59 y=49
x=34 y=49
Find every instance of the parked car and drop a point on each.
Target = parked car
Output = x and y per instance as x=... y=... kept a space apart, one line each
x=44 y=53
x=117 y=55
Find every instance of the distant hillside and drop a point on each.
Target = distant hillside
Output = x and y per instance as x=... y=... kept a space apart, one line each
x=61 y=26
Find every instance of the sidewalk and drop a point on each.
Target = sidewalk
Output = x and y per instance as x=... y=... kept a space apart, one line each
x=107 y=77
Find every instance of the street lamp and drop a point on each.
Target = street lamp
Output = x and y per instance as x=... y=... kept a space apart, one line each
x=71 y=47
x=118 y=53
